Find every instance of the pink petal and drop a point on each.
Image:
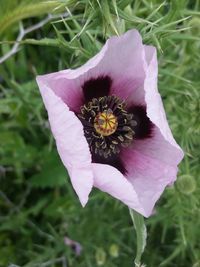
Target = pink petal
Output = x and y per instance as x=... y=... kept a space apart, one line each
x=71 y=143
x=167 y=148
x=124 y=61
x=114 y=59
x=149 y=177
x=152 y=163
x=108 y=179
x=120 y=58
x=66 y=89
x=67 y=84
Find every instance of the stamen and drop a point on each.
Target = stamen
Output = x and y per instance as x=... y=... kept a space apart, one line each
x=107 y=125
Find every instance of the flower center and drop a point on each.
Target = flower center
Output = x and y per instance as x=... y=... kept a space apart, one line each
x=105 y=123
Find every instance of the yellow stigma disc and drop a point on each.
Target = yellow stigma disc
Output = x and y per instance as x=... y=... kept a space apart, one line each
x=105 y=123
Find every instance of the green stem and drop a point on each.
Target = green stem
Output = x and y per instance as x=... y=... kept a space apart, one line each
x=141 y=234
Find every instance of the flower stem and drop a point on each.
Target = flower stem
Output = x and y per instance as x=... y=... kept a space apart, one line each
x=141 y=234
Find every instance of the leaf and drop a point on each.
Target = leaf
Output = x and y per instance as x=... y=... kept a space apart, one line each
x=141 y=234
x=52 y=174
x=43 y=41
x=13 y=11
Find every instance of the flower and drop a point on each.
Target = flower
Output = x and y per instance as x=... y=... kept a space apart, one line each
x=76 y=247
x=110 y=126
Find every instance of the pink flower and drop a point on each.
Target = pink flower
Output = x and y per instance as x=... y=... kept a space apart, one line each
x=76 y=247
x=110 y=126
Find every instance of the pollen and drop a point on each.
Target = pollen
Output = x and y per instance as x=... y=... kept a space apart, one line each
x=105 y=123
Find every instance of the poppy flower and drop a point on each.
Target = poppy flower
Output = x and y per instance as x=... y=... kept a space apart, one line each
x=75 y=246
x=110 y=126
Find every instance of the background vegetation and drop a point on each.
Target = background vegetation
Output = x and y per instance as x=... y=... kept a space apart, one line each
x=38 y=208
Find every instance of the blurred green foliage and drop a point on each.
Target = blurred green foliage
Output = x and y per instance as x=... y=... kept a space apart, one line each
x=38 y=207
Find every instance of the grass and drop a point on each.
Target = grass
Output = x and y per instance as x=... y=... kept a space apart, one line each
x=38 y=207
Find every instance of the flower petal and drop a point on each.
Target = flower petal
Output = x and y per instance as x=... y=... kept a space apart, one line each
x=149 y=177
x=108 y=179
x=125 y=57
x=67 y=84
x=68 y=90
x=120 y=59
x=169 y=149
x=71 y=143
x=151 y=163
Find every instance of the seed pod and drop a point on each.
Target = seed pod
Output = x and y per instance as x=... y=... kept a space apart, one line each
x=100 y=256
x=186 y=184
x=114 y=251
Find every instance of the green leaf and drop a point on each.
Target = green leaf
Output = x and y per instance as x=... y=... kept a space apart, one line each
x=52 y=174
x=141 y=233
x=13 y=11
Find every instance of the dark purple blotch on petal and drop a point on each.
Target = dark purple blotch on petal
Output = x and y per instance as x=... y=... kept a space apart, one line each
x=144 y=127
x=96 y=87
x=113 y=160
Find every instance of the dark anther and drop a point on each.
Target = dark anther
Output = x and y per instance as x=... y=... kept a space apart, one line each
x=144 y=125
